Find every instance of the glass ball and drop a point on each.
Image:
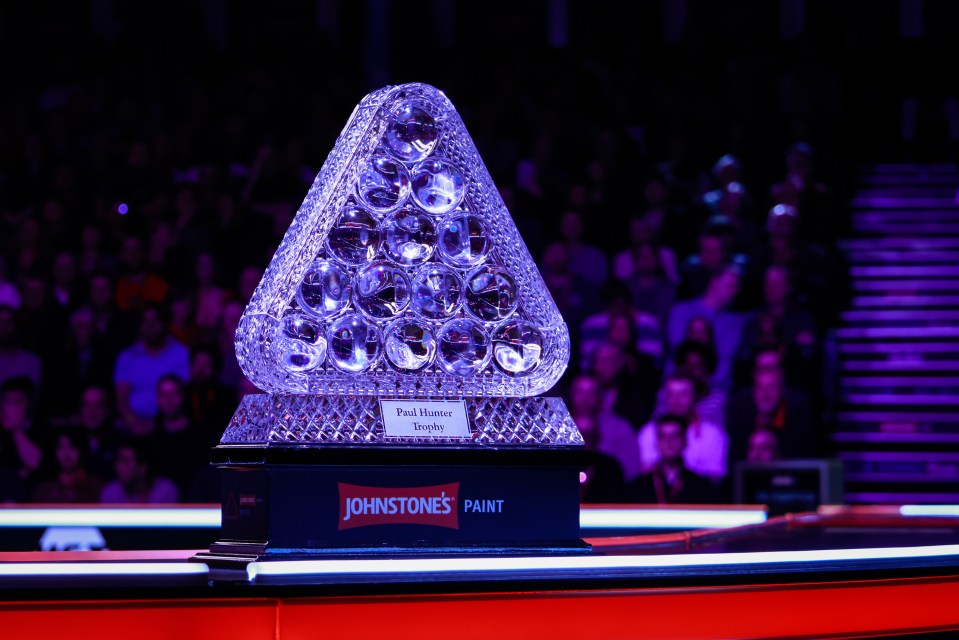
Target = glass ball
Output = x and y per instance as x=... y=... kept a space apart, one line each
x=409 y=237
x=436 y=292
x=490 y=294
x=411 y=133
x=464 y=347
x=355 y=343
x=301 y=345
x=383 y=183
x=410 y=345
x=463 y=240
x=325 y=289
x=438 y=186
x=355 y=237
x=517 y=347
x=381 y=291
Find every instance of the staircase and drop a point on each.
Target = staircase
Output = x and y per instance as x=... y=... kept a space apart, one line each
x=897 y=422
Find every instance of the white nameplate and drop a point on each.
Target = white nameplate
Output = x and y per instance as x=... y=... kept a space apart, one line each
x=425 y=419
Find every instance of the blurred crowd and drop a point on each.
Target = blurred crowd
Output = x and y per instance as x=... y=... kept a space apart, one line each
x=141 y=200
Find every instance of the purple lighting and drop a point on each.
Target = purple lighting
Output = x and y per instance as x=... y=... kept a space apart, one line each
x=122 y=208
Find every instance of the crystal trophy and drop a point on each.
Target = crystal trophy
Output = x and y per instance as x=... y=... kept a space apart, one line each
x=402 y=333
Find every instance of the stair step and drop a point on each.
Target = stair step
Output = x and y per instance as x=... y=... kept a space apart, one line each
x=921 y=333
x=905 y=285
x=893 y=202
x=895 y=438
x=918 y=228
x=910 y=348
x=901 y=271
x=901 y=315
x=919 y=257
x=898 y=417
x=900 y=300
x=899 y=242
x=899 y=381
x=917 y=367
x=900 y=399
x=905 y=215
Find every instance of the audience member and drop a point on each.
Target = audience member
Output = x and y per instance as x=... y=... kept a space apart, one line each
x=96 y=422
x=135 y=480
x=15 y=362
x=20 y=437
x=141 y=365
x=73 y=482
x=584 y=259
x=772 y=406
x=670 y=481
x=707 y=445
x=604 y=431
x=697 y=361
x=727 y=326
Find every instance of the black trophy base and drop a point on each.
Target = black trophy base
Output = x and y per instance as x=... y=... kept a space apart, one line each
x=293 y=503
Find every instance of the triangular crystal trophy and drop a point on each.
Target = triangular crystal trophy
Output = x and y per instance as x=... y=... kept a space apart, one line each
x=402 y=316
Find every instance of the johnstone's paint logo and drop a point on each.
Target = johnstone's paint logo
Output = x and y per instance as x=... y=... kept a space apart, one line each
x=364 y=506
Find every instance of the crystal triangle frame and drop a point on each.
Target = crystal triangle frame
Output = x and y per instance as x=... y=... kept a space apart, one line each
x=356 y=263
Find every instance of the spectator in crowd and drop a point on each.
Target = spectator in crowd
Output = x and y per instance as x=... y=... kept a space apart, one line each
x=209 y=402
x=715 y=307
x=646 y=329
x=138 y=285
x=670 y=481
x=624 y=393
x=641 y=235
x=114 y=328
x=135 y=480
x=141 y=365
x=713 y=257
x=176 y=441
x=73 y=482
x=770 y=405
x=603 y=431
x=707 y=445
x=652 y=292
x=15 y=361
x=83 y=360
x=584 y=259
x=20 y=437
x=697 y=361
x=96 y=422
x=575 y=296
x=763 y=446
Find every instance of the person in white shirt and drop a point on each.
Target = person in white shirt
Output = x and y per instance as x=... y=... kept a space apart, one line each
x=707 y=444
